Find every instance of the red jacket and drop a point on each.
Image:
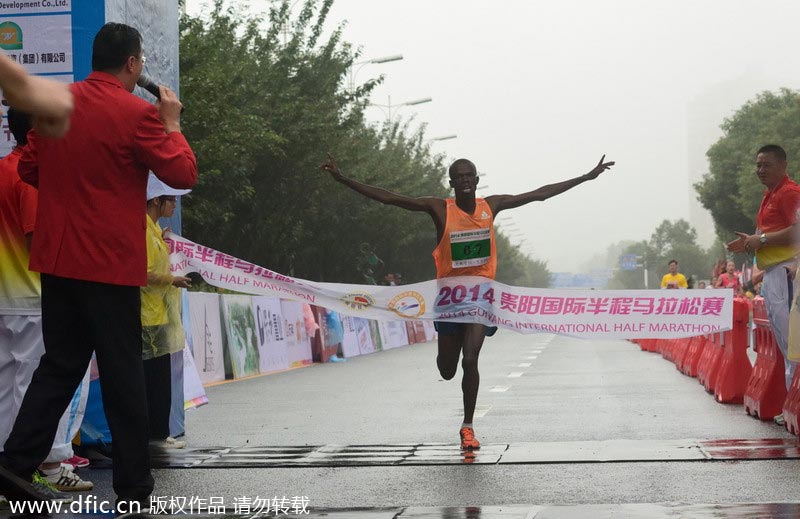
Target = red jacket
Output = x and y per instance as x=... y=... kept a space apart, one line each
x=92 y=183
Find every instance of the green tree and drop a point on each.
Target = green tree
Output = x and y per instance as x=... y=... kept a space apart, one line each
x=273 y=105
x=676 y=240
x=670 y=240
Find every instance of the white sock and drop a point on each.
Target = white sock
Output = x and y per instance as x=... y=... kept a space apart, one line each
x=50 y=472
x=465 y=424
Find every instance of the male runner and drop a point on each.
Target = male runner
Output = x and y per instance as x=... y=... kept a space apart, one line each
x=455 y=218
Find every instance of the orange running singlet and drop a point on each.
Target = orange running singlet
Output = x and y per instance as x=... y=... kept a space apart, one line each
x=467 y=247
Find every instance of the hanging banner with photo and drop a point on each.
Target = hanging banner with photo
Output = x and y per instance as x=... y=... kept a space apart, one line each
x=429 y=329
x=410 y=333
x=206 y=334
x=596 y=314
x=350 y=339
x=419 y=331
x=240 y=330
x=394 y=334
x=194 y=394
x=375 y=334
x=272 y=345
x=365 y=343
x=298 y=345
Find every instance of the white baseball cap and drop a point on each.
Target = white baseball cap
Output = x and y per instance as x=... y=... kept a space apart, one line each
x=156 y=188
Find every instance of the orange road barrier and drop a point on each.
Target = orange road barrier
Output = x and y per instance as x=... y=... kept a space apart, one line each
x=648 y=344
x=674 y=349
x=791 y=407
x=680 y=351
x=710 y=361
x=766 y=389
x=645 y=344
x=694 y=351
x=705 y=359
x=664 y=347
x=668 y=350
x=734 y=367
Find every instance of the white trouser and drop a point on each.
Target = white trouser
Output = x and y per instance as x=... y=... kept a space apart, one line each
x=777 y=292
x=21 y=347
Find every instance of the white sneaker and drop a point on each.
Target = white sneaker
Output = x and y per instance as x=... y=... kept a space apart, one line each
x=175 y=444
x=65 y=480
x=780 y=420
x=168 y=443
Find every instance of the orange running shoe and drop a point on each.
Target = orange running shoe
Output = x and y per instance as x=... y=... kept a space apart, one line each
x=468 y=440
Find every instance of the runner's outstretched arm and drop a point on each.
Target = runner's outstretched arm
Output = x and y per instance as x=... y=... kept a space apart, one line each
x=383 y=196
x=500 y=202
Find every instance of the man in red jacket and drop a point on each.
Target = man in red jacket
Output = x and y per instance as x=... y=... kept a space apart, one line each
x=89 y=246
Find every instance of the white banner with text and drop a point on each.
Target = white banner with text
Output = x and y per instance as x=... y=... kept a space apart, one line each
x=597 y=314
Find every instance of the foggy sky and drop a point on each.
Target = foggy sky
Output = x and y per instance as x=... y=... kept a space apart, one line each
x=537 y=91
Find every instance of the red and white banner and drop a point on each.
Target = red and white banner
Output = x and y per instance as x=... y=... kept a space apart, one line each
x=597 y=314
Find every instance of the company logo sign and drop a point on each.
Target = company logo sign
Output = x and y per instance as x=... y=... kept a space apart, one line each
x=10 y=36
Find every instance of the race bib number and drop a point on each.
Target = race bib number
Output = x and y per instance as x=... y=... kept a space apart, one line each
x=470 y=248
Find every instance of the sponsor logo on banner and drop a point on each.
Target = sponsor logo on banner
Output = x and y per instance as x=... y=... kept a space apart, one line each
x=358 y=300
x=408 y=304
x=10 y=36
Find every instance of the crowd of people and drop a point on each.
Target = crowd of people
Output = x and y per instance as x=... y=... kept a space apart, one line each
x=745 y=282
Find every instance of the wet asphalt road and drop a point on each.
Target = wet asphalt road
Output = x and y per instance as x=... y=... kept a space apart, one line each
x=535 y=390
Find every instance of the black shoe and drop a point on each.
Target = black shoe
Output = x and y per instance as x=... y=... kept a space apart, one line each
x=17 y=489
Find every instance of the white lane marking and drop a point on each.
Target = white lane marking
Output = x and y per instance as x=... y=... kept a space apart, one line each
x=515 y=374
x=532 y=357
x=524 y=365
x=480 y=411
x=499 y=389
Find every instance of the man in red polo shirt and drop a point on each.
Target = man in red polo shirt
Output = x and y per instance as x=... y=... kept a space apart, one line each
x=89 y=246
x=775 y=243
